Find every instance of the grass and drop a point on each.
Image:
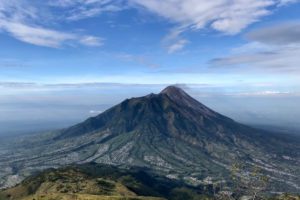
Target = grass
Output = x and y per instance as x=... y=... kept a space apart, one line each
x=60 y=196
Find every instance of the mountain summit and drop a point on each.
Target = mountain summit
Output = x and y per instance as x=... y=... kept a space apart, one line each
x=172 y=112
x=182 y=98
x=173 y=90
x=170 y=133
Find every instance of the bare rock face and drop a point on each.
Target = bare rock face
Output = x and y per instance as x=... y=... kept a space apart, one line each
x=171 y=133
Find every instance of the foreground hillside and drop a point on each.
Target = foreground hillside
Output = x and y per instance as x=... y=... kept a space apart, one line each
x=102 y=182
x=95 y=182
x=170 y=133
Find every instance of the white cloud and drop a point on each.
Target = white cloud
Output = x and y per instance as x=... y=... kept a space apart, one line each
x=81 y=9
x=178 y=45
x=271 y=49
x=62 y=3
x=281 y=59
x=91 y=41
x=21 y=24
x=226 y=16
x=17 y=10
x=36 y=35
x=266 y=93
x=279 y=34
x=69 y=3
x=87 y=12
x=251 y=47
x=286 y=2
x=46 y=37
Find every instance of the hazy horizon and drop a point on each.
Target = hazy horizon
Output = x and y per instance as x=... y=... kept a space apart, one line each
x=51 y=108
x=62 y=61
x=71 y=126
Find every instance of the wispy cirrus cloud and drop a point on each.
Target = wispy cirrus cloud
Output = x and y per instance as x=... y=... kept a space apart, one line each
x=266 y=93
x=40 y=36
x=286 y=2
x=228 y=17
x=23 y=24
x=275 y=49
x=81 y=9
x=225 y=16
x=283 y=59
x=280 y=34
x=36 y=35
x=177 y=46
x=89 y=40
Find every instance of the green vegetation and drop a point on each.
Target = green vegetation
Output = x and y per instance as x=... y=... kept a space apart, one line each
x=93 y=182
x=102 y=182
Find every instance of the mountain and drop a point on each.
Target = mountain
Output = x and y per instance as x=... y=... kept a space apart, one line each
x=170 y=133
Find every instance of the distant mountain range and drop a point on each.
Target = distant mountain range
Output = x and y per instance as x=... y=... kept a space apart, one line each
x=170 y=133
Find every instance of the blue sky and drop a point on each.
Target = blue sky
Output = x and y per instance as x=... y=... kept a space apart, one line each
x=52 y=49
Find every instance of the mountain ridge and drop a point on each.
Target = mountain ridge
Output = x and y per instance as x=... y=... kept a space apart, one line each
x=159 y=102
x=171 y=133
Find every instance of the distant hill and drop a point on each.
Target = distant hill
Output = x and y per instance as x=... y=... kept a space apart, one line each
x=170 y=133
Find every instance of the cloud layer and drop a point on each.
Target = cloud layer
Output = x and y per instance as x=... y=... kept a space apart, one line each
x=228 y=17
x=225 y=16
x=280 y=34
x=81 y=9
x=273 y=49
x=23 y=24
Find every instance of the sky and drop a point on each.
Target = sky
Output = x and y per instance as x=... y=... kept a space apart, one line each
x=64 y=60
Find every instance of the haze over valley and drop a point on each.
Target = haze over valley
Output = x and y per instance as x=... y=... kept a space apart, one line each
x=150 y=100
x=36 y=111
